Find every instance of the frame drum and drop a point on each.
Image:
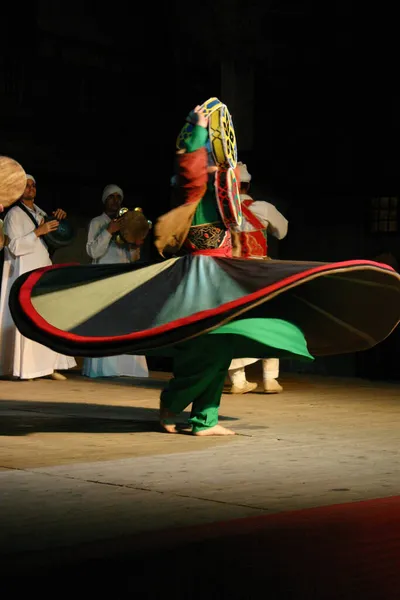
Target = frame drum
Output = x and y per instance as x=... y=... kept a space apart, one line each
x=211 y=105
x=228 y=197
x=222 y=138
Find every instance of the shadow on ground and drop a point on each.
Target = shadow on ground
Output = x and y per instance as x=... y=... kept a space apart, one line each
x=18 y=418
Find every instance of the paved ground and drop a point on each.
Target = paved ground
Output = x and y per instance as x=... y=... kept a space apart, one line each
x=82 y=462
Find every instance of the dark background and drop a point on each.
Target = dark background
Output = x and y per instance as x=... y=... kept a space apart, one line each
x=92 y=95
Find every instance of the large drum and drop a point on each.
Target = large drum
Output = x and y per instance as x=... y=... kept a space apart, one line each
x=12 y=181
x=228 y=197
x=12 y=185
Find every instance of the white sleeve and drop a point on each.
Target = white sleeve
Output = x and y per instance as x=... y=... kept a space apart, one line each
x=1 y=235
x=98 y=239
x=270 y=216
x=20 y=243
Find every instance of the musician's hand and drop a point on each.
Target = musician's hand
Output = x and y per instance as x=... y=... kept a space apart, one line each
x=114 y=226
x=46 y=227
x=1 y=208
x=202 y=119
x=135 y=254
x=59 y=214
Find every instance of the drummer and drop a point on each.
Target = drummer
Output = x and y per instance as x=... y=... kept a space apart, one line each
x=259 y=218
x=103 y=248
x=25 y=229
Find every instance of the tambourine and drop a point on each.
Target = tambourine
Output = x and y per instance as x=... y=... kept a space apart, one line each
x=228 y=197
x=133 y=227
x=209 y=106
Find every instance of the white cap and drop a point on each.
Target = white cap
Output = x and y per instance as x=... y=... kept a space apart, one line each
x=30 y=177
x=244 y=175
x=111 y=189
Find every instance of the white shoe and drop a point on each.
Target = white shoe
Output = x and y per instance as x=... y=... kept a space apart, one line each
x=57 y=376
x=271 y=386
x=244 y=389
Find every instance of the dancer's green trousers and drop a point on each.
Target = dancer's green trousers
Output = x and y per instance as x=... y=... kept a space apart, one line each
x=199 y=371
x=200 y=365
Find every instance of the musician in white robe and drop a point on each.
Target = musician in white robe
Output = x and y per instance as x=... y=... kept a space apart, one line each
x=259 y=218
x=1 y=229
x=26 y=249
x=103 y=249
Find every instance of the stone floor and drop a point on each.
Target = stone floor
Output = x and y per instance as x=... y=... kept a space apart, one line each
x=83 y=461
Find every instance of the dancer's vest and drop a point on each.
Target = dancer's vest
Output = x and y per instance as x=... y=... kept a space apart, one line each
x=254 y=242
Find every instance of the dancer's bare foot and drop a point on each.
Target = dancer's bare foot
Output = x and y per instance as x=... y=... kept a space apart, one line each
x=216 y=430
x=165 y=417
x=168 y=428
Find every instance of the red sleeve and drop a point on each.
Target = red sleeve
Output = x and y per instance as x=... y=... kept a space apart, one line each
x=192 y=175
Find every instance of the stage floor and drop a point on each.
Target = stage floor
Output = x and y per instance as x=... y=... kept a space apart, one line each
x=83 y=463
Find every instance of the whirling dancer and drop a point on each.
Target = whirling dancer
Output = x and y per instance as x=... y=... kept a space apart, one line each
x=205 y=308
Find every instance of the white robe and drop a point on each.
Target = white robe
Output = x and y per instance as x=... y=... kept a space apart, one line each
x=277 y=224
x=19 y=356
x=103 y=250
x=269 y=216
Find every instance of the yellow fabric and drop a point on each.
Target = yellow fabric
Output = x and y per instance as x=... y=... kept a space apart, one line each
x=87 y=300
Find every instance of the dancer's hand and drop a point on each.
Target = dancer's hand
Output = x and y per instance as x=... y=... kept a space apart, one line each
x=202 y=118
